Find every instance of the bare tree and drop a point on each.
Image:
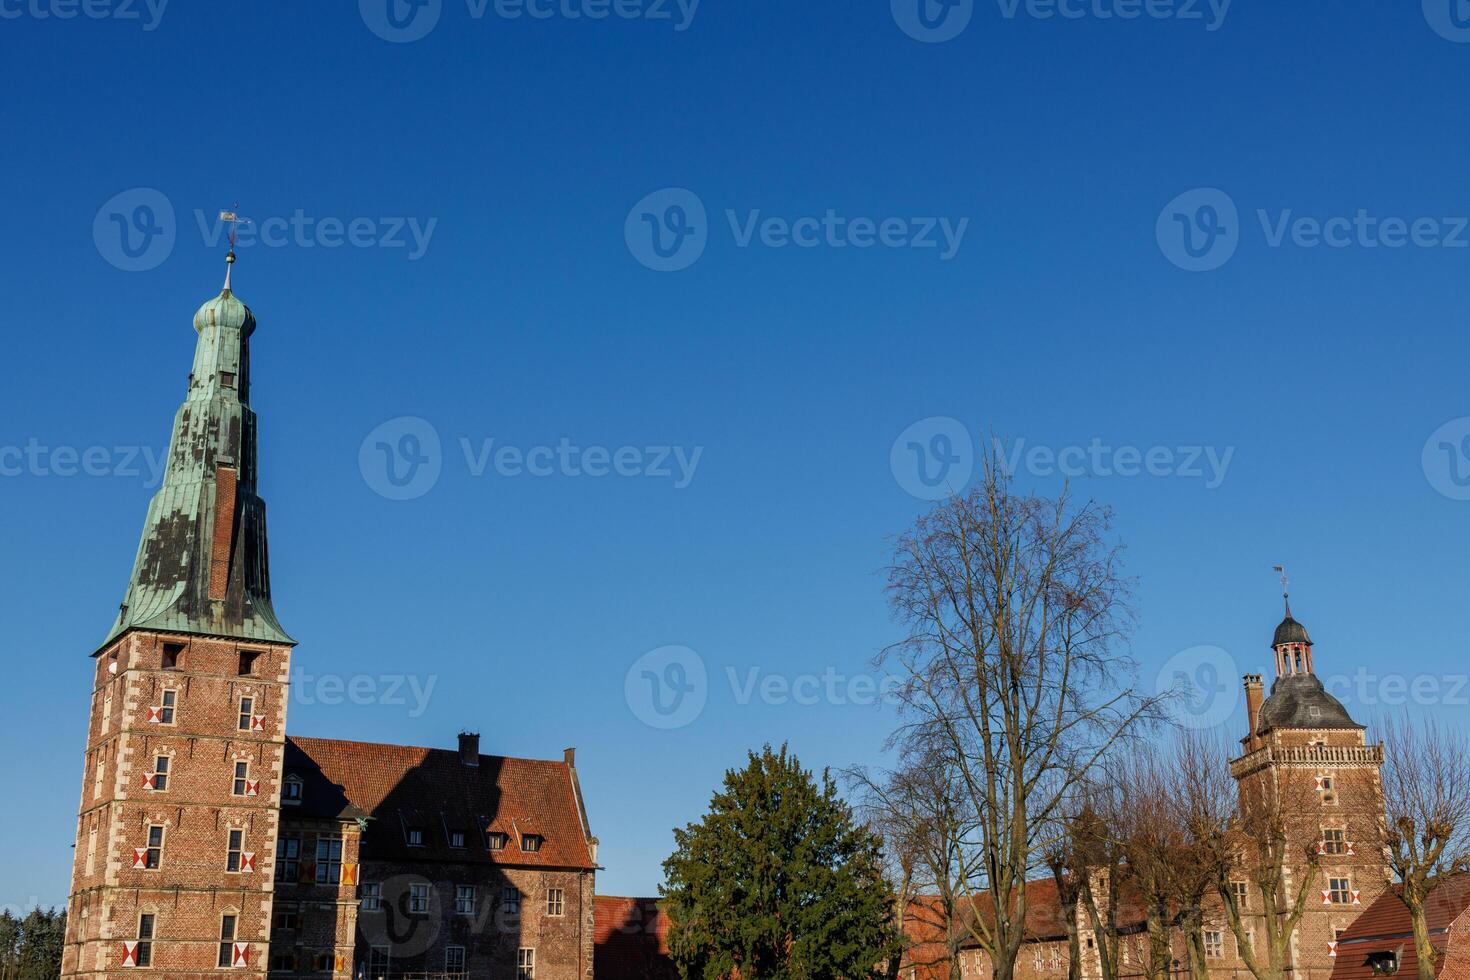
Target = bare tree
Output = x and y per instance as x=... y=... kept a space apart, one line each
x=921 y=816
x=1015 y=671
x=1257 y=843
x=1426 y=788
x=1201 y=797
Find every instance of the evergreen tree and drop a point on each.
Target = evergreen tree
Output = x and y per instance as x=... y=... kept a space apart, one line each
x=778 y=882
x=9 y=944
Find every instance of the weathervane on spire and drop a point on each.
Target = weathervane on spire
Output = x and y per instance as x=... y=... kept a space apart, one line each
x=233 y=219
x=1285 y=587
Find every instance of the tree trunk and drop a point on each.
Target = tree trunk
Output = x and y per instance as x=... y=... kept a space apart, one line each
x=1422 y=946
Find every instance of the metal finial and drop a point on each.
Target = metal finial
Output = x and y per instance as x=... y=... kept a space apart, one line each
x=234 y=220
x=1285 y=587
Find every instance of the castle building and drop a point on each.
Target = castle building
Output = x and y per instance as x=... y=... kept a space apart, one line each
x=209 y=841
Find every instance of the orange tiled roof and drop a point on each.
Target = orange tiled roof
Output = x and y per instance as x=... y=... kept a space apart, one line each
x=399 y=787
x=1384 y=927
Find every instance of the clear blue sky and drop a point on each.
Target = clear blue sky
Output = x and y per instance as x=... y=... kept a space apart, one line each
x=1062 y=317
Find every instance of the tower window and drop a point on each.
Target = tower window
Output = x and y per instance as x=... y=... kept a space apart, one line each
x=248 y=659
x=1340 y=891
x=242 y=779
x=247 y=709
x=227 y=941
x=1334 y=842
x=167 y=703
x=227 y=379
x=236 y=845
x=143 y=954
x=153 y=854
x=160 y=773
x=172 y=654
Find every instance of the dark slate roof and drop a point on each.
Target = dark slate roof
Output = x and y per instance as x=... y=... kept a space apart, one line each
x=399 y=787
x=1290 y=631
x=1384 y=927
x=1300 y=701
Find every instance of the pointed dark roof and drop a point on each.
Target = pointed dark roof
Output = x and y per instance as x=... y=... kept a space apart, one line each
x=1290 y=631
x=1300 y=701
x=203 y=562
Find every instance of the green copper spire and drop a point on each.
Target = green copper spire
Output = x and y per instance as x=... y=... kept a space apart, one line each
x=203 y=564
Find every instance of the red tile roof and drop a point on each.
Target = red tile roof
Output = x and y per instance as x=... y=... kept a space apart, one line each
x=631 y=937
x=1384 y=927
x=401 y=787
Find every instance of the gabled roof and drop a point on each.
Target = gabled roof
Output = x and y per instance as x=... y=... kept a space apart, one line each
x=1384 y=927
x=400 y=787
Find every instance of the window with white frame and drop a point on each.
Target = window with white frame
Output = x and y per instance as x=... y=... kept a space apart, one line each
x=160 y=773
x=498 y=840
x=418 y=898
x=415 y=837
x=510 y=899
x=1038 y=958
x=234 y=849
x=556 y=902
x=1241 y=891
x=456 y=838
x=242 y=778
x=227 y=925
x=168 y=700
x=372 y=896
x=1214 y=944
x=153 y=854
x=1340 y=891
x=247 y=711
x=291 y=791
x=143 y=954
x=453 y=959
x=1334 y=841
x=464 y=899
x=526 y=963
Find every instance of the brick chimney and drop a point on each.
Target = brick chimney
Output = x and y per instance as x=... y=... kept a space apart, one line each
x=1255 y=695
x=469 y=748
x=571 y=757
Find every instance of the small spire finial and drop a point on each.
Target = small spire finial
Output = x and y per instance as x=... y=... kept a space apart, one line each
x=234 y=220
x=1285 y=587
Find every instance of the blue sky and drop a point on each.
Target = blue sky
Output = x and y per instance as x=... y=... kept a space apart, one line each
x=1067 y=156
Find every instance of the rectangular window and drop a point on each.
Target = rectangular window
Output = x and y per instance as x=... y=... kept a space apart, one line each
x=91 y=850
x=144 y=954
x=379 y=960
x=453 y=959
x=510 y=899
x=498 y=841
x=288 y=917
x=418 y=898
x=415 y=838
x=288 y=858
x=555 y=901
x=464 y=899
x=1056 y=957
x=1214 y=945
x=456 y=838
x=1241 y=891
x=154 y=855
x=372 y=896
x=242 y=777
x=1334 y=842
x=226 y=941
x=236 y=845
x=1340 y=891
x=160 y=773
x=291 y=791
x=1329 y=789
x=172 y=653
x=328 y=860
x=525 y=964
x=1038 y=958
x=167 y=703
x=247 y=708
x=248 y=660
x=531 y=842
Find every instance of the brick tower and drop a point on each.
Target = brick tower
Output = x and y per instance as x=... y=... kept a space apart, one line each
x=176 y=836
x=1306 y=747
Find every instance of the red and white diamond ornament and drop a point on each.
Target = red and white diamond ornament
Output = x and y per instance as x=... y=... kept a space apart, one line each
x=247 y=862
x=148 y=780
x=252 y=788
x=1332 y=950
x=1357 y=897
x=242 y=956
x=130 y=954
x=1326 y=896
x=257 y=723
x=140 y=858
x=155 y=716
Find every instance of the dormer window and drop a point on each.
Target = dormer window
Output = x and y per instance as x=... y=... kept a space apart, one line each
x=531 y=842
x=456 y=838
x=415 y=837
x=497 y=840
x=291 y=791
